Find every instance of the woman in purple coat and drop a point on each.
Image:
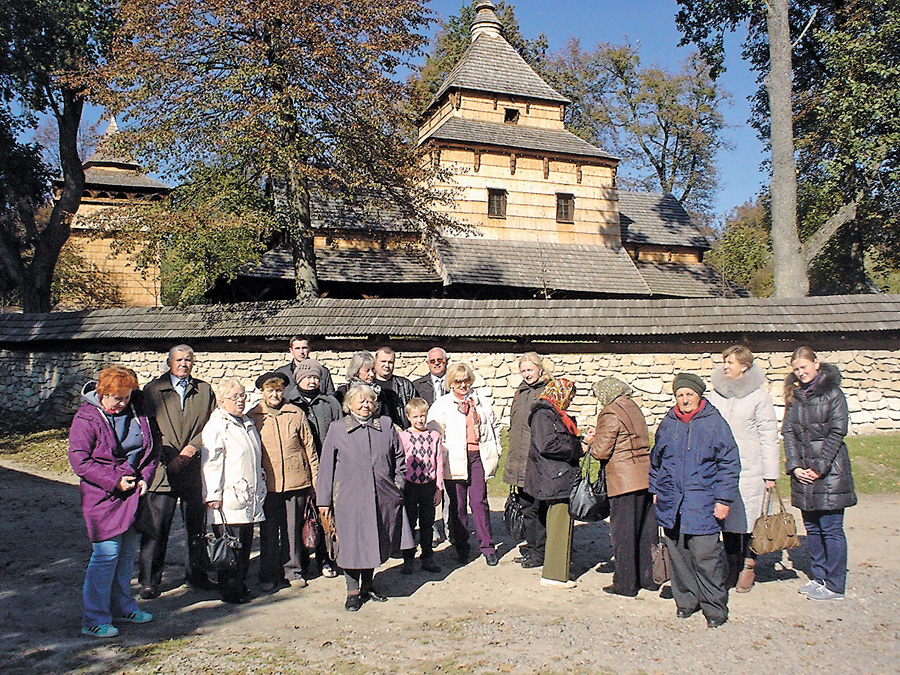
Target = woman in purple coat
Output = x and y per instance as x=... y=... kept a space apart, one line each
x=114 y=453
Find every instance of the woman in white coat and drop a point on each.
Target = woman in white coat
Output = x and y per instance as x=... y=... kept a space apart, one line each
x=749 y=412
x=471 y=454
x=234 y=486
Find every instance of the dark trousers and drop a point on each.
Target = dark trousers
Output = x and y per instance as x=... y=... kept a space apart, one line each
x=698 y=572
x=280 y=536
x=535 y=526
x=233 y=584
x=827 y=546
x=633 y=530
x=155 y=524
x=418 y=500
x=474 y=492
x=359 y=580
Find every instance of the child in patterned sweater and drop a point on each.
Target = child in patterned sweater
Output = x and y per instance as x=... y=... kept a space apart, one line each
x=424 y=479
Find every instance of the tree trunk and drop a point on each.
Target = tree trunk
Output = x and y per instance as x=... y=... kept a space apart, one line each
x=37 y=277
x=791 y=279
x=294 y=219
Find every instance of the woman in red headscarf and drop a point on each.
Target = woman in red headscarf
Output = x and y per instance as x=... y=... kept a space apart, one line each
x=551 y=471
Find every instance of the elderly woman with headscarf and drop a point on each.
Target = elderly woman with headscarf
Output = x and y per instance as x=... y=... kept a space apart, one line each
x=694 y=469
x=471 y=455
x=550 y=474
x=114 y=453
x=621 y=439
x=361 y=477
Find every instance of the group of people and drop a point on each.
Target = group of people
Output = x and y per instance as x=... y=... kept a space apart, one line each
x=376 y=457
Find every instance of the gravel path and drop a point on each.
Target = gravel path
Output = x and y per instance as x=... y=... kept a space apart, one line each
x=469 y=619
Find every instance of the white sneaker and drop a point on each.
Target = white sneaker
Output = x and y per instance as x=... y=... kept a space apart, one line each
x=298 y=582
x=553 y=583
x=822 y=593
x=809 y=586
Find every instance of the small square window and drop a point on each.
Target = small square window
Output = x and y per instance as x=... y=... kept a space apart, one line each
x=565 y=208
x=511 y=116
x=497 y=203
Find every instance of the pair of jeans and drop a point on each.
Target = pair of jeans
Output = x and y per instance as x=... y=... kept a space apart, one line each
x=827 y=546
x=107 y=581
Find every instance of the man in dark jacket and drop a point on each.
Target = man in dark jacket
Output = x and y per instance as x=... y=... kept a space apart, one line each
x=396 y=391
x=181 y=405
x=299 y=349
x=432 y=386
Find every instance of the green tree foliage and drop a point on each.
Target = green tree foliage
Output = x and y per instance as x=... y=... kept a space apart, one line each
x=742 y=252
x=47 y=48
x=666 y=126
x=286 y=92
x=452 y=40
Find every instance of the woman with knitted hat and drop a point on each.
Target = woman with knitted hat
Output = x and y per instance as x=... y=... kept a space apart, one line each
x=694 y=469
x=551 y=471
x=622 y=440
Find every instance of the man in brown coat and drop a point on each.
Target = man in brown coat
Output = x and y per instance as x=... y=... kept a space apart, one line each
x=181 y=406
x=621 y=439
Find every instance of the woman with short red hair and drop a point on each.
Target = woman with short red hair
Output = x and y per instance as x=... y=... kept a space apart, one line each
x=114 y=453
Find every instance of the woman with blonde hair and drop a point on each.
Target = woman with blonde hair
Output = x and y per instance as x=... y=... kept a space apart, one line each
x=748 y=409
x=471 y=455
x=536 y=371
x=815 y=423
x=234 y=486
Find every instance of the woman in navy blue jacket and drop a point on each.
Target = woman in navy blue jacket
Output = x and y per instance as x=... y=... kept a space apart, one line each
x=694 y=469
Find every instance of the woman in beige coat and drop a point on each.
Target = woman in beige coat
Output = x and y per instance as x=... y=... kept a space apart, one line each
x=749 y=412
x=621 y=439
x=291 y=464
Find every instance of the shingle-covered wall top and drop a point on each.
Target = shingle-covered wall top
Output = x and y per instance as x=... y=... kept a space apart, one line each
x=564 y=267
x=111 y=179
x=491 y=64
x=472 y=319
x=515 y=137
x=687 y=281
x=655 y=218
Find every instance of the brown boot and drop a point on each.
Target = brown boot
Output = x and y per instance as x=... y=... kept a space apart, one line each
x=746 y=577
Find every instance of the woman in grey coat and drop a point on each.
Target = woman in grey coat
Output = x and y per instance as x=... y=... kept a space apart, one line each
x=361 y=476
x=749 y=412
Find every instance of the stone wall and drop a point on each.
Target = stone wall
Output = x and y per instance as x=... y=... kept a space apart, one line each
x=46 y=384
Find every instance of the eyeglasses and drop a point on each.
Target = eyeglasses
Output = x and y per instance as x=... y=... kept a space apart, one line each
x=461 y=382
x=237 y=398
x=434 y=362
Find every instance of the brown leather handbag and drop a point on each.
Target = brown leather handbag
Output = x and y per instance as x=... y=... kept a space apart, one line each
x=773 y=531
x=662 y=563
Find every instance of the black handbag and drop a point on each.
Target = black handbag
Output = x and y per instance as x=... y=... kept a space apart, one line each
x=588 y=501
x=659 y=556
x=514 y=516
x=221 y=550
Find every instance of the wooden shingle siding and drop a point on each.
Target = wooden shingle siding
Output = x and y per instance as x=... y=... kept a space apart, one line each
x=467 y=319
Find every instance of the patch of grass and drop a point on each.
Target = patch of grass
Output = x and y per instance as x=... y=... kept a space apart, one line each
x=876 y=463
x=46 y=449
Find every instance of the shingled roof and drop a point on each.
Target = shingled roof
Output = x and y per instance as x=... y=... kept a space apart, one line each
x=656 y=218
x=364 y=266
x=520 y=264
x=492 y=65
x=515 y=136
x=687 y=281
x=436 y=319
x=101 y=178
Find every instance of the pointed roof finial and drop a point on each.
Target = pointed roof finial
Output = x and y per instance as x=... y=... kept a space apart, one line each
x=486 y=21
x=102 y=156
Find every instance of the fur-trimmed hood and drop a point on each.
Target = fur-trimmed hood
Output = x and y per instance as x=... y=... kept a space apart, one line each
x=752 y=380
x=829 y=378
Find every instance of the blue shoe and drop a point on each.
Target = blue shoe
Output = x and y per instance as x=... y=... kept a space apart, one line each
x=136 y=617
x=823 y=593
x=102 y=630
x=809 y=587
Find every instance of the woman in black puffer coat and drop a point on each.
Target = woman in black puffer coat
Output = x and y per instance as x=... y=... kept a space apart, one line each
x=815 y=424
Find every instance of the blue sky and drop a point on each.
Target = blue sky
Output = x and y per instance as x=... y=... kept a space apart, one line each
x=650 y=25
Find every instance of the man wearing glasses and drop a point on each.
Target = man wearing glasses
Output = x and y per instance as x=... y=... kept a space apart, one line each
x=431 y=386
x=181 y=405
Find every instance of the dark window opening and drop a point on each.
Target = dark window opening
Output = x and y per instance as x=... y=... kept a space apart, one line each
x=497 y=203
x=511 y=116
x=565 y=208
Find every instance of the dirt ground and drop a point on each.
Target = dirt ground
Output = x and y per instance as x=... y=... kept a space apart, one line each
x=467 y=619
